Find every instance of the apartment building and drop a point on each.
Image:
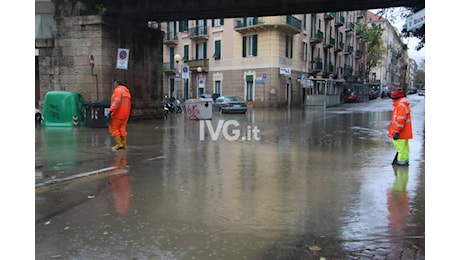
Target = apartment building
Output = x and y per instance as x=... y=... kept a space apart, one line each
x=393 y=71
x=269 y=61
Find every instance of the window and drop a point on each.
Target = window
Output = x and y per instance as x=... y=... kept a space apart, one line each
x=289 y=46
x=201 y=51
x=250 y=46
x=183 y=26
x=250 y=21
x=171 y=31
x=216 y=50
x=201 y=25
x=304 y=51
x=217 y=22
x=217 y=87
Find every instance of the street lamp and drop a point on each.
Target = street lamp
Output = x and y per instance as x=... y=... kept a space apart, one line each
x=177 y=58
x=200 y=79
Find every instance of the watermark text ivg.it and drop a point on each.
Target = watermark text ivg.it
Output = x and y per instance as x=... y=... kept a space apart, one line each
x=230 y=130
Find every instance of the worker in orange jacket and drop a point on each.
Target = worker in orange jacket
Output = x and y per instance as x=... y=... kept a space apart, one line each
x=120 y=109
x=400 y=129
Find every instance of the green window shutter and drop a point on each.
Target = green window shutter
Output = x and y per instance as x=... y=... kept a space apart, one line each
x=216 y=50
x=186 y=57
x=291 y=47
x=254 y=47
x=204 y=51
x=249 y=78
x=212 y=22
x=244 y=46
x=222 y=21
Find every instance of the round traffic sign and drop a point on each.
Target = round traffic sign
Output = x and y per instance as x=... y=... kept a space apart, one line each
x=123 y=54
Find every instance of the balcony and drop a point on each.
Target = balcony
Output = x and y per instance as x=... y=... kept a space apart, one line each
x=329 y=43
x=338 y=47
x=286 y=23
x=358 y=54
x=329 y=16
x=340 y=22
x=349 y=27
x=317 y=37
x=348 y=50
x=170 y=39
x=316 y=65
x=199 y=33
x=169 y=67
x=194 y=64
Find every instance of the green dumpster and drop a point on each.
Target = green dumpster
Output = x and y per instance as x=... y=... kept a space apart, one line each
x=64 y=108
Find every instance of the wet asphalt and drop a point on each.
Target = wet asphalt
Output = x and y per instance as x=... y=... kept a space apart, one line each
x=297 y=183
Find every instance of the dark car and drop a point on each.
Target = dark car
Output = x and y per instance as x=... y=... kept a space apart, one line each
x=230 y=104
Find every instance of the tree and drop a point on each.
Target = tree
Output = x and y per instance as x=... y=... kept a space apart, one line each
x=401 y=13
x=375 y=46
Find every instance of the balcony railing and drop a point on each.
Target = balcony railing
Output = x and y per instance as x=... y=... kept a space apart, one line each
x=339 y=22
x=316 y=65
x=329 y=43
x=349 y=27
x=170 y=38
x=317 y=37
x=285 y=23
x=329 y=16
x=339 y=47
x=348 y=50
x=360 y=14
x=199 y=32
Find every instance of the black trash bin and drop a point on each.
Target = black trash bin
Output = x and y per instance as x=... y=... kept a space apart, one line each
x=97 y=113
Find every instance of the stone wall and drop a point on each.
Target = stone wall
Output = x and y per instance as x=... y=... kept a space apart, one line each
x=64 y=61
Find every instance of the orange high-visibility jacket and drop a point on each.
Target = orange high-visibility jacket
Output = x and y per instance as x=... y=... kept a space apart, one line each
x=401 y=119
x=120 y=105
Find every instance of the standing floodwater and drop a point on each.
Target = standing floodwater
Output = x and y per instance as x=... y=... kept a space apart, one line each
x=269 y=184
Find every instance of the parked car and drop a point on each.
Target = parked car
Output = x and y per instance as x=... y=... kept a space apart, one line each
x=373 y=94
x=421 y=92
x=230 y=104
x=411 y=91
x=209 y=95
x=38 y=116
x=385 y=93
x=350 y=96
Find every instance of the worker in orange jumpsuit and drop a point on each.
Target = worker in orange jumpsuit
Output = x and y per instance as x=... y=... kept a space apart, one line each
x=120 y=109
x=400 y=129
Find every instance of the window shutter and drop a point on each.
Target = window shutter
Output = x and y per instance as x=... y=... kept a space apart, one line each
x=254 y=47
x=244 y=46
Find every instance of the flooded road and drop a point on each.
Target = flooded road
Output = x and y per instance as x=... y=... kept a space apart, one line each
x=270 y=184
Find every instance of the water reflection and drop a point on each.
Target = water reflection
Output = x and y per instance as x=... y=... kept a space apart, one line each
x=120 y=183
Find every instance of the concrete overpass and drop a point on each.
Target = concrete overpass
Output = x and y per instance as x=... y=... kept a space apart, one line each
x=166 y=10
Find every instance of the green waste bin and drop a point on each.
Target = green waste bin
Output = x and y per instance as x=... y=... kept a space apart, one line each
x=63 y=108
x=97 y=114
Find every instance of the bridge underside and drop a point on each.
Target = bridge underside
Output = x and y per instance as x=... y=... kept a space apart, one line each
x=166 y=10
